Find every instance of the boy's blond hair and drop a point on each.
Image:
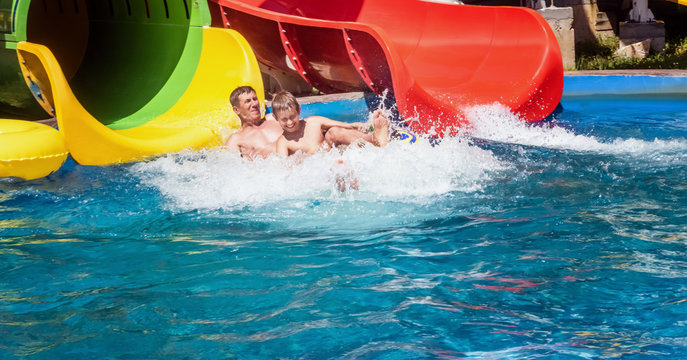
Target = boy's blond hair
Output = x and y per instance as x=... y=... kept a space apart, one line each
x=283 y=101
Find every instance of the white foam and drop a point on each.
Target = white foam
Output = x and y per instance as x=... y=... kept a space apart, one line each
x=418 y=173
x=214 y=179
x=495 y=122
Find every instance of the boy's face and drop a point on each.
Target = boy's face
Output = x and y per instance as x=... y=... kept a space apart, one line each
x=288 y=120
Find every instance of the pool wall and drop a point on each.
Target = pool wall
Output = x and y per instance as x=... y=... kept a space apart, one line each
x=582 y=85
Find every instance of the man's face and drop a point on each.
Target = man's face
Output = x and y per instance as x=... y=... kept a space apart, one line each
x=289 y=120
x=248 y=109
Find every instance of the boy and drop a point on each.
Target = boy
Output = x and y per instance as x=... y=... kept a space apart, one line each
x=309 y=135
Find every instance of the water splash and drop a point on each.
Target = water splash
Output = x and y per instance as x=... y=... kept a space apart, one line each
x=495 y=122
x=214 y=179
x=418 y=173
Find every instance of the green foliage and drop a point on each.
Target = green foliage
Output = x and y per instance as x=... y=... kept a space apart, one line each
x=600 y=56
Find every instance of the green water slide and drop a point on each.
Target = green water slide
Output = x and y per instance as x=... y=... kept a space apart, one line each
x=125 y=79
x=16 y=100
x=116 y=54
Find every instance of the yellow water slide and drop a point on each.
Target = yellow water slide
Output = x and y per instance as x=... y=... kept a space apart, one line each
x=125 y=79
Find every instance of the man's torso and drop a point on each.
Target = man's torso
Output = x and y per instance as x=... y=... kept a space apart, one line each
x=259 y=140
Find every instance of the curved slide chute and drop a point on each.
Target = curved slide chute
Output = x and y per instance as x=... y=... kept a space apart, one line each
x=127 y=80
x=435 y=59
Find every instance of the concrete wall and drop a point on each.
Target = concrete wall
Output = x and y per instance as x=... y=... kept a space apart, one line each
x=562 y=23
x=588 y=22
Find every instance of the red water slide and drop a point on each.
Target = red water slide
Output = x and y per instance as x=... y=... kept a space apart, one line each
x=435 y=59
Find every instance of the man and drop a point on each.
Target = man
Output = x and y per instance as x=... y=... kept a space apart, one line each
x=258 y=136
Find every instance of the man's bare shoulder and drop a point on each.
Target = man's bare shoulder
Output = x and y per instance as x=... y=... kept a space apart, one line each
x=239 y=132
x=235 y=138
x=270 y=122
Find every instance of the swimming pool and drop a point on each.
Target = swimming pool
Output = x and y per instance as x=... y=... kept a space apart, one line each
x=562 y=240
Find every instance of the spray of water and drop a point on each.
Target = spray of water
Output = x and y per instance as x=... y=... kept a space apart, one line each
x=495 y=122
x=220 y=179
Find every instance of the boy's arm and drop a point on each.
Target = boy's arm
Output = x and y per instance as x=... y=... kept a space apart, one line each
x=282 y=147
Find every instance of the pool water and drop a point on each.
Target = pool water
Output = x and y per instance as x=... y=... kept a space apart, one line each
x=564 y=239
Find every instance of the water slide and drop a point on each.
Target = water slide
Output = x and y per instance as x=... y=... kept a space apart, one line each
x=435 y=59
x=125 y=79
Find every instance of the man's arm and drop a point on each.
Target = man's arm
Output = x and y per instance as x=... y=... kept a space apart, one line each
x=326 y=124
x=233 y=142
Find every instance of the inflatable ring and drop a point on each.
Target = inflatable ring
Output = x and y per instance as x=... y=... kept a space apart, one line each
x=403 y=136
x=30 y=150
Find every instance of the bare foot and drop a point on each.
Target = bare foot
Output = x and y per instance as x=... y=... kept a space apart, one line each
x=381 y=128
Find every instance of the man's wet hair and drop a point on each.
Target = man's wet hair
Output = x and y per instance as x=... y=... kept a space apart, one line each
x=283 y=101
x=234 y=97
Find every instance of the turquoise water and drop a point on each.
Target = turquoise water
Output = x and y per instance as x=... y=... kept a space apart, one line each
x=559 y=240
